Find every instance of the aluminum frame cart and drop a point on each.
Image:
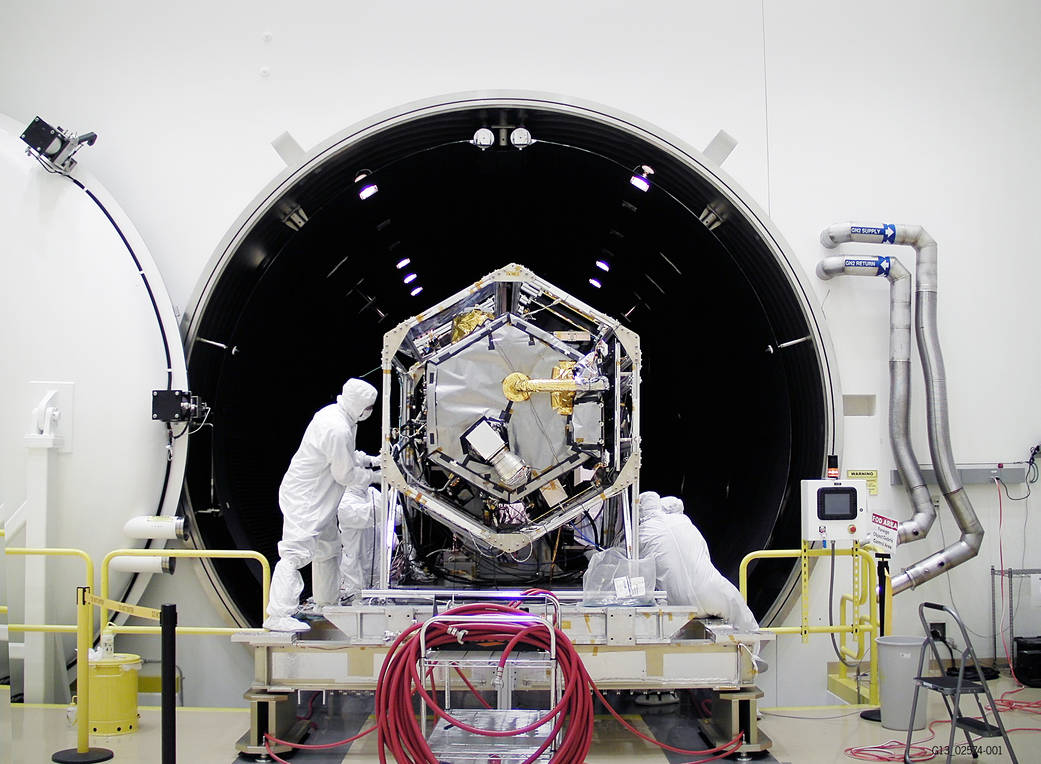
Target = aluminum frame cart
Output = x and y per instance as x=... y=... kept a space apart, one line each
x=451 y=744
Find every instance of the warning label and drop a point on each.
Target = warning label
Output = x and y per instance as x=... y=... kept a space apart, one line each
x=871 y=476
x=138 y=610
x=883 y=533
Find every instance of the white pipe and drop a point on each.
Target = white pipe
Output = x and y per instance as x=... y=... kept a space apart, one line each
x=135 y=564
x=924 y=245
x=156 y=527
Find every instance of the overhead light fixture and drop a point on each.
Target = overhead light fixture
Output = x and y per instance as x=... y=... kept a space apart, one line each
x=603 y=265
x=416 y=291
x=483 y=139
x=521 y=137
x=641 y=177
x=402 y=263
x=367 y=189
x=410 y=278
x=595 y=283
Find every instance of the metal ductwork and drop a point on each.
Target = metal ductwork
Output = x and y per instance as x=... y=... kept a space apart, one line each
x=899 y=278
x=927 y=335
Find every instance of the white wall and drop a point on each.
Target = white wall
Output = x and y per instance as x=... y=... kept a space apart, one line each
x=921 y=113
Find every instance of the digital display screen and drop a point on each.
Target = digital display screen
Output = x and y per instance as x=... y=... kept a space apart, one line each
x=839 y=503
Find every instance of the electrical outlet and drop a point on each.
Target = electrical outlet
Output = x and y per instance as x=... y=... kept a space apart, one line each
x=938 y=629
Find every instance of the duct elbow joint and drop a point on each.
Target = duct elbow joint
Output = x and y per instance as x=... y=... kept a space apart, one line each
x=830 y=267
x=832 y=236
x=973 y=541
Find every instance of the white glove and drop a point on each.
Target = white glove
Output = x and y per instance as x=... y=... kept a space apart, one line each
x=374 y=462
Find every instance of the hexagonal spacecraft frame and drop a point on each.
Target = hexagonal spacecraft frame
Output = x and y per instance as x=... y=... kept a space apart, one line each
x=599 y=368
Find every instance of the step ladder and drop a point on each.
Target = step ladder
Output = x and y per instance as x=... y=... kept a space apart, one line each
x=952 y=688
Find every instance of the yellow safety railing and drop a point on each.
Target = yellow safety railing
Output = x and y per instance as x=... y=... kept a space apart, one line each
x=859 y=626
x=84 y=630
x=223 y=554
x=84 y=627
x=862 y=621
x=51 y=552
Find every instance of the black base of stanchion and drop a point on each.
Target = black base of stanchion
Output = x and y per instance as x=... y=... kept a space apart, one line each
x=872 y=714
x=71 y=755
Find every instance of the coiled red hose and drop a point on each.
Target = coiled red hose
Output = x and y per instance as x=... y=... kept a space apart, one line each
x=399 y=732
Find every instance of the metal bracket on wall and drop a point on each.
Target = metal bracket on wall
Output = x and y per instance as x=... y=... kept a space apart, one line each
x=974 y=474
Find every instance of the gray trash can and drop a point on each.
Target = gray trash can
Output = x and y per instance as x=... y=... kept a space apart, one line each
x=897 y=665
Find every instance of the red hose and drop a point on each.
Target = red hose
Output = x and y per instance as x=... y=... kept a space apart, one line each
x=399 y=732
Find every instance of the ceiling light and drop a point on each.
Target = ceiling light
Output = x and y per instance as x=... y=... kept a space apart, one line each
x=595 y=283
x=402 y=263
x=410 y=278
x=641 y=177
x=521 y=137
x=483 y=139
x=368 y=189
x=416 y=291
x=602 y=265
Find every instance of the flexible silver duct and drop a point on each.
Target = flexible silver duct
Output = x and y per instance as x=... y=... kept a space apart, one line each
x=899 y=278
x=968 y=545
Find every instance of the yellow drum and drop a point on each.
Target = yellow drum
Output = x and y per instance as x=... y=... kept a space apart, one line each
x=113 y=694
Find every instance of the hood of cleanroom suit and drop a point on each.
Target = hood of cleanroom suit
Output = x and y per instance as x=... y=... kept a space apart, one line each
x=357 y=396
x=683 y=564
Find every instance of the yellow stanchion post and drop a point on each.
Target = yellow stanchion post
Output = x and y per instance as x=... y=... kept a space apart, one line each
x=85 y=630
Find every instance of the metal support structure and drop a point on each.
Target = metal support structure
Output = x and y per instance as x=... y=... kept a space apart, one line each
x=1008 y=573
x=39 y=674
x=734 y=713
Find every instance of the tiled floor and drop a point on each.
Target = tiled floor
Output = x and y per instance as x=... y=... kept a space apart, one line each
x=800 y=737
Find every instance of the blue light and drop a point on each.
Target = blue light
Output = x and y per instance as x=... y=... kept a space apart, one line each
x=640 y=182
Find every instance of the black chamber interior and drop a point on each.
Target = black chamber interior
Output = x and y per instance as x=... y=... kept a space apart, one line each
x=726 y=425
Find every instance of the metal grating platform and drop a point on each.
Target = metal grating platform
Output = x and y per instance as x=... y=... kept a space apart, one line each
x=451 y=744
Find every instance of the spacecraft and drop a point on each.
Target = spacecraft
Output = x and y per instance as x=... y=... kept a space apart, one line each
x=510 y=409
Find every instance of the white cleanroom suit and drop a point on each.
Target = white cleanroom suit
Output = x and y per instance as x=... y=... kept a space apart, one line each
x=325 y=464
x=357 y=519
x=683 y=565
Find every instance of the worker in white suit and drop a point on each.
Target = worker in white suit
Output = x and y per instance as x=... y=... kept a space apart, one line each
x=325 y=464
x=683 y=565
x=357 y=519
